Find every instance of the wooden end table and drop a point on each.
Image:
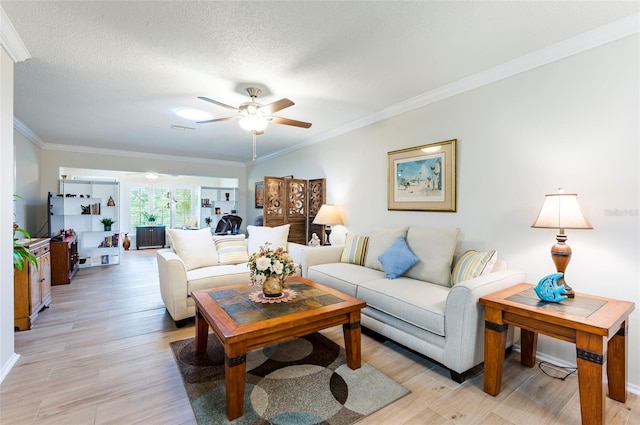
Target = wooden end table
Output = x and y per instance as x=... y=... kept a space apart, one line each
x=596 y=325
x=242 y=325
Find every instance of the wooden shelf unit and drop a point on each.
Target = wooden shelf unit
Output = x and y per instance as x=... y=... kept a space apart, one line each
x=64 y=260
x=32 y=286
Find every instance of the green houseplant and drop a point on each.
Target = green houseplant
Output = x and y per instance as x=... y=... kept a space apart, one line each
x=151 y=218
x=107 y=222
x=21 y=255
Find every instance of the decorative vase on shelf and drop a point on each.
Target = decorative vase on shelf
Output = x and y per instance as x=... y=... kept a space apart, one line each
x=126 y=243
x=226 y=195
x=272 y=286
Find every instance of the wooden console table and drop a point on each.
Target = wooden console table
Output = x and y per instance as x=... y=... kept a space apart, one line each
x=596 y=325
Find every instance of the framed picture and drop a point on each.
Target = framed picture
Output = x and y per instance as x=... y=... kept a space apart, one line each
x=259 y=194
x=423 y=178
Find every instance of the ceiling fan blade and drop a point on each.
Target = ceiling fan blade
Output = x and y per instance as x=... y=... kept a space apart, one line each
x=217 y=119
x=287 y=121
x=276 y=106
x=215 y=102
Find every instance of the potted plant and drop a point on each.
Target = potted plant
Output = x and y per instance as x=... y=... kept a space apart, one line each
x=208 y=221
x=21 y=255
x=107 y=222
x=151 y=218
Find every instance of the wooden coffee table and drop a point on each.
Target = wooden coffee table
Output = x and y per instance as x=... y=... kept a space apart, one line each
x=596 y=325
x=242 y=325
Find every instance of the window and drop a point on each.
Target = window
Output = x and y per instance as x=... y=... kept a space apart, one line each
x=171 y=207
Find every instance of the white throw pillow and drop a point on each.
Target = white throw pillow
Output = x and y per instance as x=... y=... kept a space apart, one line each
x=194 y=247
x=435 y=248
x=260 y=235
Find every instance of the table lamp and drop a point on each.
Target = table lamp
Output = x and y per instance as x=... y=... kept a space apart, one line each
x=328 y=215
x=561 y=211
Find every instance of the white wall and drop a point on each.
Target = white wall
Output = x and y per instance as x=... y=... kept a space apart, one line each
x=7 y=355
x=572 y=124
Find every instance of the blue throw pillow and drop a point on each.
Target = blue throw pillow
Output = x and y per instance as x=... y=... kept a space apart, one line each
x=398 y=258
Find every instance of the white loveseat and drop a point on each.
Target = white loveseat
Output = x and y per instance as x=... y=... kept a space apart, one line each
x=428 y=308
x=198 y=260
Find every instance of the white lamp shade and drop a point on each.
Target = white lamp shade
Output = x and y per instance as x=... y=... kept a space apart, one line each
x=328 y=215
x=561 y=211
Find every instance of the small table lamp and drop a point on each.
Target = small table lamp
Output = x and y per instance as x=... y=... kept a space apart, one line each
x=328 y=215
x=561 y=211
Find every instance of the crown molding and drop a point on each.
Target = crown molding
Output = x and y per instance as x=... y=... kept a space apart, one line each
x=142 y=155
x=613 y=31
x=23 y=129
x=11 y=41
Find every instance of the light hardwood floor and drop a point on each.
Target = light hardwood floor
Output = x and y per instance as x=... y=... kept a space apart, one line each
x=100 y=355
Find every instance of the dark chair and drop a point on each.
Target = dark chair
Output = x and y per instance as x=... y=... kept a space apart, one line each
x=228 y=224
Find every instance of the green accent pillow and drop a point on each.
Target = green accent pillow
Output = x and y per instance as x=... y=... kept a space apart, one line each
x=355 y=249
x=398 y=258
x=473 y=264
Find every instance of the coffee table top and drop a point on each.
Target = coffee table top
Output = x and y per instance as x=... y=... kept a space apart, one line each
x=231 y=313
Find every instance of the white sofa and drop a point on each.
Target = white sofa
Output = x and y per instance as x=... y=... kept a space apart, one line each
x=420 y=309
x=198 y=260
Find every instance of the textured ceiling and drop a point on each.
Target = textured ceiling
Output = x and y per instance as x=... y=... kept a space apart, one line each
x=112 y=74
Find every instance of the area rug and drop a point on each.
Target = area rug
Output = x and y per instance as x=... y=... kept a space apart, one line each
x=299 y=382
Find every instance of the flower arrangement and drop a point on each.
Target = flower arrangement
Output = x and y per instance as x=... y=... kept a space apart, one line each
x=268 y=262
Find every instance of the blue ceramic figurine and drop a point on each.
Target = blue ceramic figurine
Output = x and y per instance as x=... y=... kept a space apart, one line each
x=548 y=290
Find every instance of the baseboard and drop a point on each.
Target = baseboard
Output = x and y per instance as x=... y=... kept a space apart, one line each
x=634 y=389
x=8 y=366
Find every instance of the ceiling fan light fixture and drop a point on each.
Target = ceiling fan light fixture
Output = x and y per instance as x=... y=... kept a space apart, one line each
x=254 y=123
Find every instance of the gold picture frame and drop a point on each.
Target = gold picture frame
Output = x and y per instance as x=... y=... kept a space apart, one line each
x=423 y=178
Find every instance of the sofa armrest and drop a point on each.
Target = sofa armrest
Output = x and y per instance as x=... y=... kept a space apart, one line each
x=313 y=255
x=172 y=274
x=464 y=316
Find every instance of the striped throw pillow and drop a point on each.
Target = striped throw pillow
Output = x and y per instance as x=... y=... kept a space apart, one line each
x=355 y=249
x=473 y=264
x=231 y=249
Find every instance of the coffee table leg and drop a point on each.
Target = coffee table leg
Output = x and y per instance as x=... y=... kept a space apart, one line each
x=352 y=340
x=617 y=364
x=495 y=339
x=235 y=370
x=202 y=333
x=590 y=360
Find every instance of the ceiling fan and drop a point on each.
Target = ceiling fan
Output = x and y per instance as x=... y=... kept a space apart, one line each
x=255 y=116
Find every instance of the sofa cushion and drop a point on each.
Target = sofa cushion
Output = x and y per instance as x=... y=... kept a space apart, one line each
x=355 y=249
x=397 y=259
x=194 y=247
x=435 y=248
x=259 y=236
x=473 y=264
x=344 y=277
x=418 y=303
x=380 y=239
x=231 y=249
x=216 y=276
